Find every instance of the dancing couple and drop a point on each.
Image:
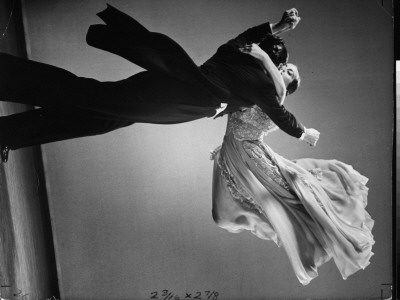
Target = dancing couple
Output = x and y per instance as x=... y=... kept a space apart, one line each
x=315 y=209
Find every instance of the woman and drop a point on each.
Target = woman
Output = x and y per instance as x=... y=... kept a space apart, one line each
x=314 y=208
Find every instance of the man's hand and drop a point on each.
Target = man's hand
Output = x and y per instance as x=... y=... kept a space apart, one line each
x=290 y=19
x=311 y=136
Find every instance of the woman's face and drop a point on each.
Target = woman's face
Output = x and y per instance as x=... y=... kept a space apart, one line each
x=289 y=73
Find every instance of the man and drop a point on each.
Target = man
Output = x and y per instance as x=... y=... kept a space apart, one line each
x=172 y=90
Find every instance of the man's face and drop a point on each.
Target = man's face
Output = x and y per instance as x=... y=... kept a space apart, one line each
x=289 y=73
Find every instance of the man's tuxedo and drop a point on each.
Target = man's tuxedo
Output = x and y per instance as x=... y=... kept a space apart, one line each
x=173 y=89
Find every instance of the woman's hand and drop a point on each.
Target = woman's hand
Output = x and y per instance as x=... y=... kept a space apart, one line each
x=255 y=51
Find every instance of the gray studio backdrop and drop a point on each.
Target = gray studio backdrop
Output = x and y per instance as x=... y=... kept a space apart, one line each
x=131 y=210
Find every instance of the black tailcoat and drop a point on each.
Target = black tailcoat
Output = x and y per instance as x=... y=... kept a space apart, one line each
x=173 y=89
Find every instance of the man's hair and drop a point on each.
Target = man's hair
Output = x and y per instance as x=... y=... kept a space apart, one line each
x=275 y=48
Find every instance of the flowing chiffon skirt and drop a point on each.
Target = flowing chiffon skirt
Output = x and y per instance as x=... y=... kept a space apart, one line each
x=314 y=209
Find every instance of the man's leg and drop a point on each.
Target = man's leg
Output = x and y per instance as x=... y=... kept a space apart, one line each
x=38 y=84
x=40 y=126
x=146 y=97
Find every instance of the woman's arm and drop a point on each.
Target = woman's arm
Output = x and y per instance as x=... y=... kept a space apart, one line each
x=255 y=51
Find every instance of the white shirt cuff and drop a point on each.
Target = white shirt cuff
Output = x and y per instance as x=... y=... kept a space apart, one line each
x=221 y=108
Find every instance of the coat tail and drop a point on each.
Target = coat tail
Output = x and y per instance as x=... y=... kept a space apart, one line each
x=156 y=52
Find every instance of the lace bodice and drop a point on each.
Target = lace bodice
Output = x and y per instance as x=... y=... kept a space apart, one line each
x=249 y=124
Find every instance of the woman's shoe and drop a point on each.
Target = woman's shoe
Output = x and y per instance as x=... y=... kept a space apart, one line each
x=4 y=150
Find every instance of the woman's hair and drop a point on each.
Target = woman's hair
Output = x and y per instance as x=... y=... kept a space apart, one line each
x=293 y=86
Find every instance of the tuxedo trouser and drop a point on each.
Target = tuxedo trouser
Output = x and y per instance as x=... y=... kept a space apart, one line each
x=41 y=126
x=72 y=106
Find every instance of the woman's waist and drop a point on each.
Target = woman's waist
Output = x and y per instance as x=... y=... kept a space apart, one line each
x=244 y=133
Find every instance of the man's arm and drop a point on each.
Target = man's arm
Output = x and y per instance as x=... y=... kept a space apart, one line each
x=289 y=21
x=253 y=35
x=256 y=34
x=285 y=120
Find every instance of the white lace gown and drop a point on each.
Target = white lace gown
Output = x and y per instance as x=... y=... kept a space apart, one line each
x=314 y=209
